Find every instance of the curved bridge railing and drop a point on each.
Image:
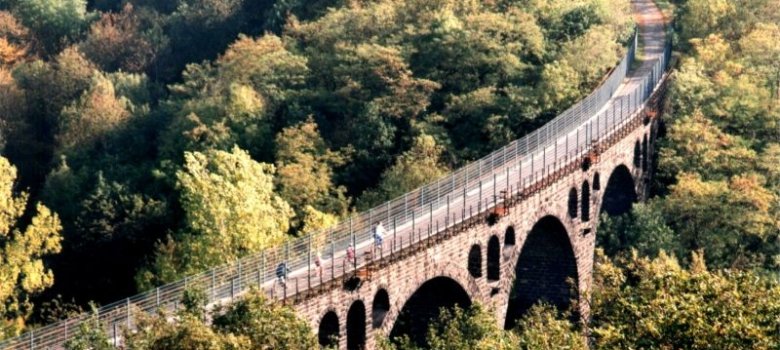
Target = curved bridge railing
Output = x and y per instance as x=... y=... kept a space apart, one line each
x=320 y=258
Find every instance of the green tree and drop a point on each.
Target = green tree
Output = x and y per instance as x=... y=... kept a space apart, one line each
x=416 y=167
x=305 y=171
x=643 y=230
x=731 y=220
x=54 y=22
x=129 y=40
x=249 y=318
x=23 y=246
x=237 y=100
x=230 y=210
x=92 y=118
x=471 y=328
x=542 y=327
x=656 y=303
x=696 y=145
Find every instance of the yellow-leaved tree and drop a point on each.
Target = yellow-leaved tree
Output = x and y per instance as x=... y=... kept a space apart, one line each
x=23 y=243
x=230 y=210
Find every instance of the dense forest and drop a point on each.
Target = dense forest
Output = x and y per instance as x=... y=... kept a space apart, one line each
x=143 y=141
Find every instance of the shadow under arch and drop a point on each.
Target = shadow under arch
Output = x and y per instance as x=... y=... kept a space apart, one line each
x=379 y=308
x=328 y=333
x=356 y=326
x=546 y=271
x=620 y=193
x=424 y=305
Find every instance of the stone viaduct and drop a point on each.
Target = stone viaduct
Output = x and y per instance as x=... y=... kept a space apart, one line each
x=541 y=249
x=535 y=244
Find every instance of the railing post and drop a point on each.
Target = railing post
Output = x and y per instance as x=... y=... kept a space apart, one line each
x=354 y=245
x=495 y=179
x=447 y=219
x=352 y=240
x=239 y=273
x=479 y=203
x=127 y=305
x=261 y=274
x=413 y=224
x=406 y=205
x=332 y=260
x=392 y=247
x=308 y=264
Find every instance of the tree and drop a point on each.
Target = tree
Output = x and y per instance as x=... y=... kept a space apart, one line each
x=643 y=230
x=542 y=327
x=54 y=22
x=242 y=325
x=23 y=245
x=695 y=144
x=237 y=100
x=761 y=49
x=305 y=171
x=230 y=210
x=416 y=167
x=87 y=123
x=14 y=40
x=461 y=329
x=698 y=18
x=128 y=40
x=658 y=304
x=732 y=220
x=249 y=318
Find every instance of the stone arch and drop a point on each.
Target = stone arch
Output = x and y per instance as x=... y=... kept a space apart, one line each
x=572 y=204
x=356 y=326
x=475 y=261
x=546 y=270
x=328 y=333
x=424 y=304
x=620 y=192
x=596 y=181
x=509 y=236
x=379 y=308
x=585 y=212
x=493 y=259
x=637 y=154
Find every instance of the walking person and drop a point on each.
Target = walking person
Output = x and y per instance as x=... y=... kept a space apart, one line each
x=318 y=263
x=379 y=235
x=350 y=254
x=281 y=273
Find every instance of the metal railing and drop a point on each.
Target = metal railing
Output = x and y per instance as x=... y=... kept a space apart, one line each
x=320 y=257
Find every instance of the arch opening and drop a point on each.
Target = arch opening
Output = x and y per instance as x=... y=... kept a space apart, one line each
x=620 y=193
x=475 y=261
x=493 y=259
x=585 y=214
x=423 y=307
x=596 y=181
x=637 y=154
x=572 y=203
x=356 y=326
x=546 y=271
x=328 y=333
x=509 y=236
x=379 y=308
